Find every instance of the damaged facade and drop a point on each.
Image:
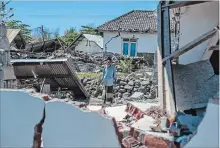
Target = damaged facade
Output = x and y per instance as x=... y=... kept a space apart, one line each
x=187 y=77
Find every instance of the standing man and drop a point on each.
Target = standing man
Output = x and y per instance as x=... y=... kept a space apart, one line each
x=109 y=79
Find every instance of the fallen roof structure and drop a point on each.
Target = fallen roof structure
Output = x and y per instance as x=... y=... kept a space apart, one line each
x=47 y=46
x=57 y=72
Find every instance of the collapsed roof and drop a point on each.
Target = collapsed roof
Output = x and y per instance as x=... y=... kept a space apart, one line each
x=47 y=46
x=58 y=73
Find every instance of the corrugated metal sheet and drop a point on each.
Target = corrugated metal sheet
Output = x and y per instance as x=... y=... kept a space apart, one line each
x=11 y=34
x=60 y=71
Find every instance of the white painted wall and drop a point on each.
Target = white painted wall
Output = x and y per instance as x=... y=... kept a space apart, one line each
x=208 y=130
x=19 y=113
x=88 y=46
x=68 y=126
x=64 y=126
x=196 y=20
x=147 y=43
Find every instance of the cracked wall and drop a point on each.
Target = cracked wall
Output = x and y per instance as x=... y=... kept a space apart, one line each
x=65 y=125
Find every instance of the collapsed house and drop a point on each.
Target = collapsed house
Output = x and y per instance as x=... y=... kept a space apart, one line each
x=188 y=77
x=196 y=58
x=187 y=83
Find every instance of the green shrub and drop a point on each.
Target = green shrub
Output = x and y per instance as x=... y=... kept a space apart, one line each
x=126 y=65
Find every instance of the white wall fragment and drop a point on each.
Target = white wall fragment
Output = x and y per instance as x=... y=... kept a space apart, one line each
x=19 y=113
x=208 y=130
x=67 y=126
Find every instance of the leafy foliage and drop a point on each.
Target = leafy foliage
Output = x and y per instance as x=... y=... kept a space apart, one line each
x=89 y=29
x=126 y=65
x=25 y=29
x=70 y=35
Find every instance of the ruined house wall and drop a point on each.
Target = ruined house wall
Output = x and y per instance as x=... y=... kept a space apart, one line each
x=196 y=20
x=208 y=130
x=64 y=125
x=19 y=113
x=147 y=43
x=68 y=126
x=88 y=46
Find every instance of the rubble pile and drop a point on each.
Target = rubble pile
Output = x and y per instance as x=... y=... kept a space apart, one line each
x=155 y=128
x=156 y=113
x=137 y=86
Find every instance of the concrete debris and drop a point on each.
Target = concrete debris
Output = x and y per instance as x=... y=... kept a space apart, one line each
x=137 y=95
x=156 y=112
x=144 y=123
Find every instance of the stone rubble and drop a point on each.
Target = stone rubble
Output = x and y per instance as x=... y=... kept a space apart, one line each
x=136 y=87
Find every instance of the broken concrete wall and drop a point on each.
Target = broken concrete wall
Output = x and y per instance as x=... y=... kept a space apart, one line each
x=196 y=20
x=19 y=113
x=64 y=126
x=7 y=77
x=208 y=130
x=195 y=84
x=67 y=126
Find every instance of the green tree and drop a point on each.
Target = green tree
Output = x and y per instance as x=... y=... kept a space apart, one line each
x=70 y=35
x=89 y=29
x=25 y=29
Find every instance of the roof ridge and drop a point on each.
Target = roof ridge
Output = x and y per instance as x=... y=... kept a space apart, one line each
x=116 y=18
x=132 y=21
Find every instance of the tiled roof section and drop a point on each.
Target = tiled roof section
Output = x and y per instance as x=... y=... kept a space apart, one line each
x=134 y=21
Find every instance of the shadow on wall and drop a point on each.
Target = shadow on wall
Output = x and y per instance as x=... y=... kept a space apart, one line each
x=64 y=126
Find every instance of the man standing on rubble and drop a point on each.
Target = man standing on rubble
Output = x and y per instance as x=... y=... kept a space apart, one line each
x=109 y=79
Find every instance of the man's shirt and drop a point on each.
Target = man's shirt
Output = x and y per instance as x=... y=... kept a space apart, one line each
x=109 y=75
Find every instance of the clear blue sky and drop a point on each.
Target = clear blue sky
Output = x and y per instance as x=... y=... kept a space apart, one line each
x=64 y=15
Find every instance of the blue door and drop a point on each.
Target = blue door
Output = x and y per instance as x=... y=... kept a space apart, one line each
x=125 y=48
x=133 y=49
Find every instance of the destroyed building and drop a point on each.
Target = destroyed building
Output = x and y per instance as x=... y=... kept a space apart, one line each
x=182 y=114
x=188 y=76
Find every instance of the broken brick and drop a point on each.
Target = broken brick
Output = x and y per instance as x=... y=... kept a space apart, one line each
x=157 y=142
x=129 y=142
x=46 y=98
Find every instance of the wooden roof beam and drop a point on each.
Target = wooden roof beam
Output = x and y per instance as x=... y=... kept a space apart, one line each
x=191 y=45
x=178 y=4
